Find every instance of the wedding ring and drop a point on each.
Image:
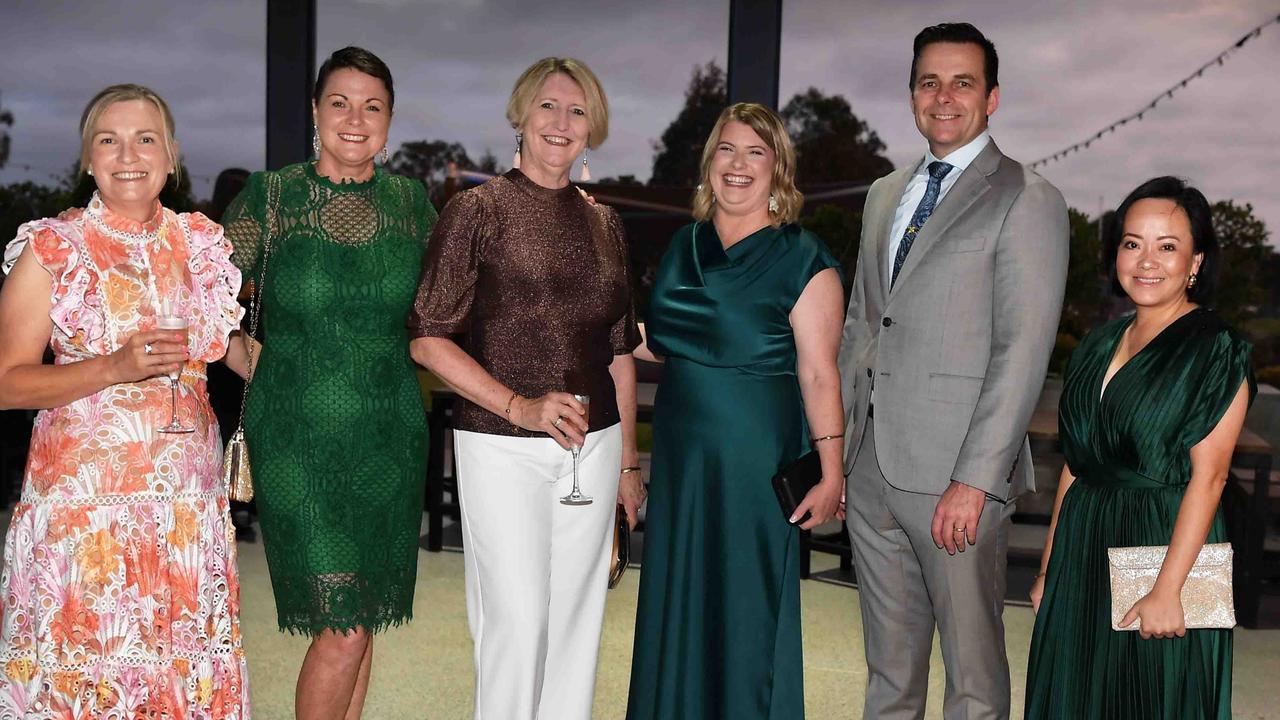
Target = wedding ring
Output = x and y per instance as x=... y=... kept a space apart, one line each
x=960 y=529
x=146 y=348
x=558 y=421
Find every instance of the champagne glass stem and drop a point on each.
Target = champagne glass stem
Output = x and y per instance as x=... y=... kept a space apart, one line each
x=173 y=401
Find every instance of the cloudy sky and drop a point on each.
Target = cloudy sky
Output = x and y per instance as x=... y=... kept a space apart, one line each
x=1067 y=70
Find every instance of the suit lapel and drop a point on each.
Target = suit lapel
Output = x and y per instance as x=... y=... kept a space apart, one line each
x=881 y=216
x=971 y=185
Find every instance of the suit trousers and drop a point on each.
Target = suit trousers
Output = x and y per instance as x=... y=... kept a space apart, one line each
x=907 y=586
x=536 y=570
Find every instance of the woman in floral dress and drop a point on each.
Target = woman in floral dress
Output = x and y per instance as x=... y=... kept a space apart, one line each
x=120 y=597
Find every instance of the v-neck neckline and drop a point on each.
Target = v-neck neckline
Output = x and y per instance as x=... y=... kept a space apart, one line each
x=1104 y=382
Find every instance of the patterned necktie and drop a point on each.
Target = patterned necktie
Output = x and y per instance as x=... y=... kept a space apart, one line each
x=937 y=171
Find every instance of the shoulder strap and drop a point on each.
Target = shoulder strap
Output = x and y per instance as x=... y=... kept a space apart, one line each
x=255 y=304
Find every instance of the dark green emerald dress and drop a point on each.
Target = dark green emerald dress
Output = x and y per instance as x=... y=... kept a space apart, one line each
x=334 y=419
x=1129 y=448
x=718 y=624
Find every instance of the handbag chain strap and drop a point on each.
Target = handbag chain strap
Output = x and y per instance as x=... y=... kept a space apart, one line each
x=255 y=304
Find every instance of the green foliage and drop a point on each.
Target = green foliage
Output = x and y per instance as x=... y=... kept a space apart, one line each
x=25 y=201
x=6 y=121
x=841 y=229
x=1086 y=298
x=1244 y=261
x=833 y=144
x=1063 y=346
x=428 y=160
x=677 y=155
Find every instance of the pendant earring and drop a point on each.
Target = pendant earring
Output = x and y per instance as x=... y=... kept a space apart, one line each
x=515 y=159
x=1191 y=281
x=386 y=157
x=586 y=170
x=315 y=142
x=773 y=204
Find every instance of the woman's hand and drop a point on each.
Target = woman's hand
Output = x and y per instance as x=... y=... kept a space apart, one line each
x=822 y=502
x=556 y=414
x=147 y=354
x=1037 y=592
x=631 y=495
x=1159 y=614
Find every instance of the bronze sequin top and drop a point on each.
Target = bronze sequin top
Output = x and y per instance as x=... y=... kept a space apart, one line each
x=536 y=282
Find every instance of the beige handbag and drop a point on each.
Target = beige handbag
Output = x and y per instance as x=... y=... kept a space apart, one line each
x=236 y=472
x=1207 y=600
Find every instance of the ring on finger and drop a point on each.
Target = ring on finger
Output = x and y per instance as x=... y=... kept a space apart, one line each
x=558 y=421
x=960 y=529
x=146 y=348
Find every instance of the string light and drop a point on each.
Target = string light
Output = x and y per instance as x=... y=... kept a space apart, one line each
x=1166 y=94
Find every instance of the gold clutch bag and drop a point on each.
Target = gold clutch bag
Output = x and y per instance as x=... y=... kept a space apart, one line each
x=235 y=468
x=1207 y=600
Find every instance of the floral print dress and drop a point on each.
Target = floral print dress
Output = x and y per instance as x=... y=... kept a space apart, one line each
x=120 y=596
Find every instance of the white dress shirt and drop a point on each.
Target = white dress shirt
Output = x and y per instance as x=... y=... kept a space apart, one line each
x=959 y=159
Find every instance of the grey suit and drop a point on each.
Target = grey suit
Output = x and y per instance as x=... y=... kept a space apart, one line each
x=957 y=352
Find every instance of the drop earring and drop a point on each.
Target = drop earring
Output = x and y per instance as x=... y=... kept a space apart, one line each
x=386 y=157
x=1191 y=281
x=315 y=141
x=515 y=159
x=585 y=176
x=773 y=204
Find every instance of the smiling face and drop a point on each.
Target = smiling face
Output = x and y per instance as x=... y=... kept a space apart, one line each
x=555 y=131
x=741 y=172
x=129 y=158
x=352 y=118
x=1156 y=257
x=949 y=97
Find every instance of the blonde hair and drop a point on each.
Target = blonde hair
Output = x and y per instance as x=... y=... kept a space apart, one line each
x=526 y=90
x=773 y=131
x=124 y=93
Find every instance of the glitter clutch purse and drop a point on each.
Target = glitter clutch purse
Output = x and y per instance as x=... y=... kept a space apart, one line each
x=1207 y=600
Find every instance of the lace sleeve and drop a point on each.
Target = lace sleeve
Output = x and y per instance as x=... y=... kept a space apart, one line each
x=245 y=224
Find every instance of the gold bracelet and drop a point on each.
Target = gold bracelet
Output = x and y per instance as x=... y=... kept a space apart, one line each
x=825 y=437
x=633 y=468
x=508 y=410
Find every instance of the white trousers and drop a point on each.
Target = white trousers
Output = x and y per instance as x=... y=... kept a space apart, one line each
x=536 y=570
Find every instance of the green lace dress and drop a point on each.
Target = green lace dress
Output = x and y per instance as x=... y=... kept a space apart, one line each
x=334 y=418
x=1130 y=450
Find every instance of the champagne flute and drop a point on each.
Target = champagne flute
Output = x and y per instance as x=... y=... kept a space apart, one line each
x=576 y=497
x=177 y=323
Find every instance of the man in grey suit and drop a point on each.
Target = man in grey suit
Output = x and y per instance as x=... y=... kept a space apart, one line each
x=952 y=318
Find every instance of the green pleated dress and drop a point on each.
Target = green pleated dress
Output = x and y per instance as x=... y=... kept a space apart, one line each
x=718 y=623
x=1129 y=448
x=334 y=418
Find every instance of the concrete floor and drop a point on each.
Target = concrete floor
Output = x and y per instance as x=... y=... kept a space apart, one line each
x=423 y=669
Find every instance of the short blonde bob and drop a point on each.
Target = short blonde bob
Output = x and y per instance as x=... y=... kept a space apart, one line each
x=526 y=90
x=773 y=131
x=123 y=93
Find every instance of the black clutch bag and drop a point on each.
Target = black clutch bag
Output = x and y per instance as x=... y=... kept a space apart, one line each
x=795 y=481
x=621 y=555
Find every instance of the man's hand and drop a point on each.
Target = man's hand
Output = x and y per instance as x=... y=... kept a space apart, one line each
x=956 y=518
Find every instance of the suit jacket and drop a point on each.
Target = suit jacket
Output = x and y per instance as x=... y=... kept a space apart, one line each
x=958 y=349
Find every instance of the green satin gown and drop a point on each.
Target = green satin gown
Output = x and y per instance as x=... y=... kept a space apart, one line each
x=718 y=623
x=1129 y=448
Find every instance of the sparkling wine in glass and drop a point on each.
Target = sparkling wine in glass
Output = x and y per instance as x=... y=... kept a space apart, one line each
x=576 y=497
x=175 y=323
